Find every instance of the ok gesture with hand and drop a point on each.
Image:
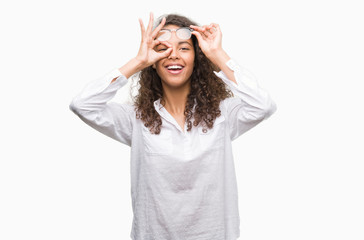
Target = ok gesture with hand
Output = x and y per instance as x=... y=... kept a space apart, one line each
x=147 y=55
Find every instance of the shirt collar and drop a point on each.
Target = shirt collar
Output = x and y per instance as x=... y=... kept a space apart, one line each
x=162 y=111
x=158 y=106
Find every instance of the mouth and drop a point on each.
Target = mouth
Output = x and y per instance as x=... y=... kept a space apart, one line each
x=174 y=68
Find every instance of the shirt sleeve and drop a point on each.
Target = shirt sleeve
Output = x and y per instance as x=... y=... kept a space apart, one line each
x=93 y=107
x=250 y=105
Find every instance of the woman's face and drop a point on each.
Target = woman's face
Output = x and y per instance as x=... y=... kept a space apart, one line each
x=176 y=69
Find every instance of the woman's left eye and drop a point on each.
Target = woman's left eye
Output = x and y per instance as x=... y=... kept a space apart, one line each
x=185 y=49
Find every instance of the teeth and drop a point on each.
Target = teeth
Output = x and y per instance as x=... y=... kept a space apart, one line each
x=172 y=67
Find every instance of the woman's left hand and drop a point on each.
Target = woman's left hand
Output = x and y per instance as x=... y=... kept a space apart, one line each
x=209 y=38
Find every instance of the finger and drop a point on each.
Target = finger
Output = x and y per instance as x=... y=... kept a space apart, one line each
x=157 y=29
x=211 y=28
x=208 y=32
x=150 y=24
x=216 y=27
x=204 y=27
x=142 y=28
x=160 y=55
x=200 y=30
x=165 y=43
x=157 y=42
x=198 y=36
x=196 y=28
x=165 y=54
x=205 y=30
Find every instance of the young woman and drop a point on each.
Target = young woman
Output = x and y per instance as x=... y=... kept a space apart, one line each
x=180 y=129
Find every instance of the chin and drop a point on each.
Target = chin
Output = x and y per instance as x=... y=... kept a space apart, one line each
x=174 y=83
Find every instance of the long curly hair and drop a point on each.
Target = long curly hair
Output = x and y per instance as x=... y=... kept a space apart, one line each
x=203 y=101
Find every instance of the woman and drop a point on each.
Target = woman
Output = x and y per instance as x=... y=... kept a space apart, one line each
x=180 y=129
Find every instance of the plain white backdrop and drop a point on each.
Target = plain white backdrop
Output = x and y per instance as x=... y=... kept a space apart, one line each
x=300 y=174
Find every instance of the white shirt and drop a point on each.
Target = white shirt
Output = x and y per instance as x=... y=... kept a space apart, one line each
x=183 y=183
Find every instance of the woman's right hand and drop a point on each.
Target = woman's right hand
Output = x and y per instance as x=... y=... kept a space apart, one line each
x=147 y=54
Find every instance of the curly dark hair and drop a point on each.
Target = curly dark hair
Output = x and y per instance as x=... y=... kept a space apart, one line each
x=203 y=101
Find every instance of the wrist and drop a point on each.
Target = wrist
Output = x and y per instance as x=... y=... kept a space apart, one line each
x=132 y=67
x=138 y=64
x=219 y=57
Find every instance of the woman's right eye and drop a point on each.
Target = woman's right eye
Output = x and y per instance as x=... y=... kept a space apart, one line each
x=161 y=49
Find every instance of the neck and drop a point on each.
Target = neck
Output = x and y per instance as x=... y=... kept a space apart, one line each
x=175 y=99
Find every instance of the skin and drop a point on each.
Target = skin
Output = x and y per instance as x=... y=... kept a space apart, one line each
x=176 y=86
x=158 y=54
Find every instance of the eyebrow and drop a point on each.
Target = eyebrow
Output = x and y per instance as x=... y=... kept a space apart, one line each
x=179 y=43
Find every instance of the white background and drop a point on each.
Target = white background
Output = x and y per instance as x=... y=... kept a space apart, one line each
x=300 y=173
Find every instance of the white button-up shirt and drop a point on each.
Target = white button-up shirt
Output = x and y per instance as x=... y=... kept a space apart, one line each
x=183 y=183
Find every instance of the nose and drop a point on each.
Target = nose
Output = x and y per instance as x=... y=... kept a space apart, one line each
x=174 y=54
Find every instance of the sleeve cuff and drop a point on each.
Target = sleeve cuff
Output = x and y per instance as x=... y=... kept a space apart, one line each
x=120 y=80
x=232 y=64
x=115 y=73
x=104 y=83
x=243 y=77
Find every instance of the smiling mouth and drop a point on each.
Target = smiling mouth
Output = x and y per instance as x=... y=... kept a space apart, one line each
x=174 y=68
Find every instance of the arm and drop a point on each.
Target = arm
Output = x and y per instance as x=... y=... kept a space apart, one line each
x=253 y=104
x=112 y=119
x=210 y=41
x=146 y=56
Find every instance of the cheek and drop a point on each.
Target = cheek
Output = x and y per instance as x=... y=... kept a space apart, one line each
x=192 y=61
x=158 y=66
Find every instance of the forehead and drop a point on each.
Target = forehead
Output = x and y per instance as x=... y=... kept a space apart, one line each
x=170 y=26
